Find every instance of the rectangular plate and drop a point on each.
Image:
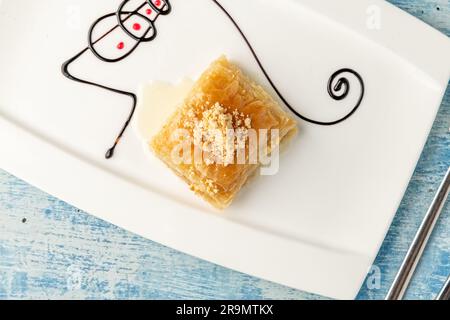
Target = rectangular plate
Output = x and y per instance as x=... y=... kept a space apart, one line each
x=318 y=223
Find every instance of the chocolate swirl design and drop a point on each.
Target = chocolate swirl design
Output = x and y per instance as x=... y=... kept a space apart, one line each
x=338 y=85
x=339 y=90
x=334 y=89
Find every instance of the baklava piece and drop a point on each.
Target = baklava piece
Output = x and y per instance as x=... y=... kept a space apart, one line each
x=197 y=141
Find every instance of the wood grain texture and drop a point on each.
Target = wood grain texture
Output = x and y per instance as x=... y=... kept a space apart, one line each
x=50 y=250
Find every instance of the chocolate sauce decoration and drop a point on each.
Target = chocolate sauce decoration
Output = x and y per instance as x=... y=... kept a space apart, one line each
x=334 y=89
x=338 y=85
x=166 y=9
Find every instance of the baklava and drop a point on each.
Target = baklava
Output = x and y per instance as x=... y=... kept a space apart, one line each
x=202 y=140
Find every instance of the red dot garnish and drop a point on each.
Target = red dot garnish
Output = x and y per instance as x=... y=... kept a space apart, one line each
x=158 y=3
x=136 y=26
x=148 y=11
x=121 y=45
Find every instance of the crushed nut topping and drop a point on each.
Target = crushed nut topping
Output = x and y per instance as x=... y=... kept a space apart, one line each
x=219 y=132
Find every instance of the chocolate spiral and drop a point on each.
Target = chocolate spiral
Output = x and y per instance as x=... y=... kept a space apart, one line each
x=341 y=89
x=333 y=91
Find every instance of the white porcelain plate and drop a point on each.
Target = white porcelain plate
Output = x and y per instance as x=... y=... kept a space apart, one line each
x=318 y=223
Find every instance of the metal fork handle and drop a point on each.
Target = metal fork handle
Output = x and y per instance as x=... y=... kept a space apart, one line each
x=445 y=292
x=419 y=243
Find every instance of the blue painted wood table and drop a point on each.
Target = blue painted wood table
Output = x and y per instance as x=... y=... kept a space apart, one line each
x=51 y=250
